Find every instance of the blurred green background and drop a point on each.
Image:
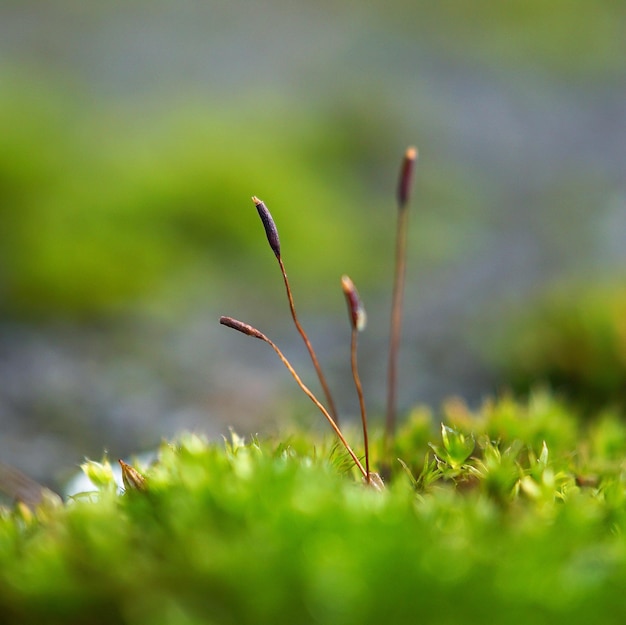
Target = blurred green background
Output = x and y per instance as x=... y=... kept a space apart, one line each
x=131 y=140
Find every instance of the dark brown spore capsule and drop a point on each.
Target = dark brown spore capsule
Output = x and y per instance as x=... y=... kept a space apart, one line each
x=268 y=223
x=242 y=327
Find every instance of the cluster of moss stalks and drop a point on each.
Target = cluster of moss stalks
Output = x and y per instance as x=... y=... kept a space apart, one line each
x=515 y=513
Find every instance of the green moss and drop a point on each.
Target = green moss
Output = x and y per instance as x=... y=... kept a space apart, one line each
x=269 y=531
x=573 y=340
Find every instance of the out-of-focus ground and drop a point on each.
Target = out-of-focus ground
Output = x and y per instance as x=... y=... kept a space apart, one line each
x=134 y=136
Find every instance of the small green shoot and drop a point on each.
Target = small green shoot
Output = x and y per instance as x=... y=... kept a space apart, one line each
x=457 y=446
x=100 y=474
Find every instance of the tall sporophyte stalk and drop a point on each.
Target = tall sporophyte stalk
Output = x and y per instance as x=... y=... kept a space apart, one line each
x=403 y=196
x=357 y=319
x=272 y=237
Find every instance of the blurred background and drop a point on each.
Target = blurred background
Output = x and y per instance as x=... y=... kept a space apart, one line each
x=133 y=135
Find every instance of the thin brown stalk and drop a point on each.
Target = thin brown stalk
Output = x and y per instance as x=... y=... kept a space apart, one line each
x=359 y=392
x=272 y=237
x=403 y=197
x=251 y=331
x=357 y=323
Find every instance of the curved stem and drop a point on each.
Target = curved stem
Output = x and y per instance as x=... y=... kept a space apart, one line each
x=319 y=405
x=305 y=338
x=249 y=330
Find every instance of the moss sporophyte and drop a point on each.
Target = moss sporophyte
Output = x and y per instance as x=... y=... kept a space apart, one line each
x=357 y=319
x=512 y=501
x=21 y=488
x=272 y=238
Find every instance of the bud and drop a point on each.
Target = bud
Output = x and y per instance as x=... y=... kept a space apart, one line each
x=100 y=474
x=358 y=318
x=133 y=480
x=406 y=177
x=268 y=223
x=242 y=327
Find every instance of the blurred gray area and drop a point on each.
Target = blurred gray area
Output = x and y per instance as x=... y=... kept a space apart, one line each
x=550 y=152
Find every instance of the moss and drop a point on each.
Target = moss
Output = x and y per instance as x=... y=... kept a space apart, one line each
x=270 y=531
x=573 y=340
